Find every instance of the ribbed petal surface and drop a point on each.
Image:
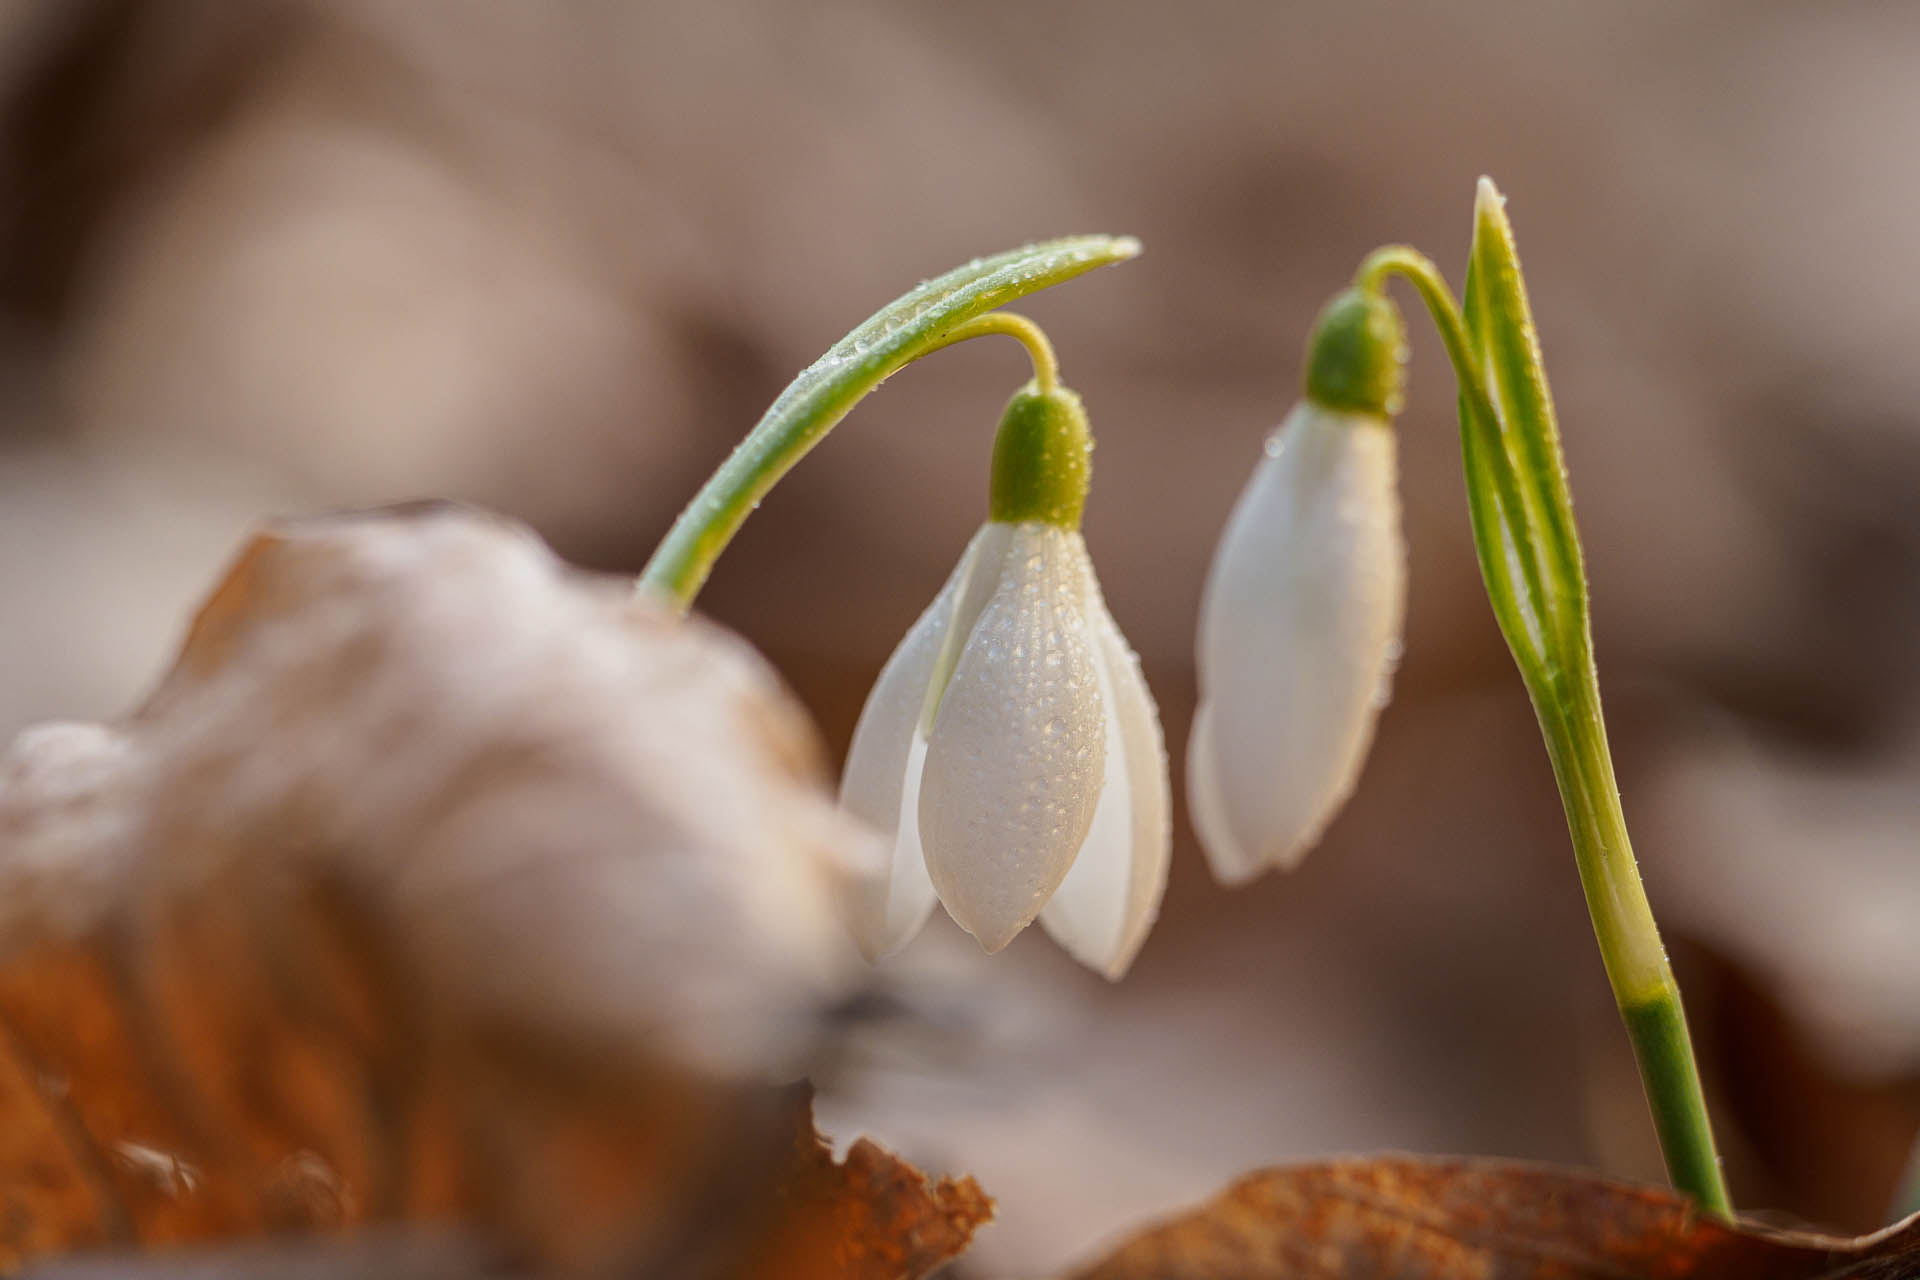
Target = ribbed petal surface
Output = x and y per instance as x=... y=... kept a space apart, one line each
x=881 y=784
x=1299 y=633
x=1104 y=908
x=1018 y=748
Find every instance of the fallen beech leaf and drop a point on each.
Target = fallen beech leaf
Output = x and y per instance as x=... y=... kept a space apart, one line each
x=436 y=884
x=1415 y=1219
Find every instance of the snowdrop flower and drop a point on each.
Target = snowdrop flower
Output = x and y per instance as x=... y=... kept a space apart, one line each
x=1300 y=619
x=1011 y=743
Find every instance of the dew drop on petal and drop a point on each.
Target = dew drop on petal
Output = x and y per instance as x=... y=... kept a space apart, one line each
x=1015 y=766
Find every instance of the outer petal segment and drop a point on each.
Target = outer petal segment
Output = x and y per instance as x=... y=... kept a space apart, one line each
x=1018 y=748
x=1103 y=910
x=1299 y=631
x=881 y=784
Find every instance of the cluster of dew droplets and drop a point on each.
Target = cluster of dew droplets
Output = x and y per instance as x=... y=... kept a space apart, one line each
x=1018 y=749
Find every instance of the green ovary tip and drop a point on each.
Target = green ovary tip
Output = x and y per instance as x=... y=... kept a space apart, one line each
x=1356 y=359
x=1042 y=459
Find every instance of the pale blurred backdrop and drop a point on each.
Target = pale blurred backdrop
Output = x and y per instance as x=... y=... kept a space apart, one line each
x=268 y=257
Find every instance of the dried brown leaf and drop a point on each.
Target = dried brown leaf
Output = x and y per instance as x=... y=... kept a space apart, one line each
x=436 y=884
x=1415 y=1219
x=869 y=1217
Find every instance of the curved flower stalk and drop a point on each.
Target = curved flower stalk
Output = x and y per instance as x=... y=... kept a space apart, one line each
x=1300 y=620
x=1011 y=743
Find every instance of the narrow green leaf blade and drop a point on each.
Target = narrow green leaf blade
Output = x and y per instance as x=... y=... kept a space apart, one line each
x=1500 y=326
x=1505 y=533
x=827 y=390
x=1509 y=571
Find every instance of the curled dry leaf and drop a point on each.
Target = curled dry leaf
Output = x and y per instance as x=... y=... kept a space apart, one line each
x=1415 y=1219
x=436 y=883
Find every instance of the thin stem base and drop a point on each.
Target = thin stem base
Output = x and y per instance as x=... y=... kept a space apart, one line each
x=1658 y=1029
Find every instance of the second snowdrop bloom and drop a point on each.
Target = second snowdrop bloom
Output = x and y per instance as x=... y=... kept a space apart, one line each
x=1301 y=616
x=1010 y=743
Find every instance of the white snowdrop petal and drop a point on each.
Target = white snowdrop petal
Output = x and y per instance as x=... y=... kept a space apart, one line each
x=1226 y=851
x=1151 y=787
x=887 y=914
x=1017 y=753
x=978 y=577
x=1104 y=908
x=881 y=782
x=1299 y=630
x=1087 y=913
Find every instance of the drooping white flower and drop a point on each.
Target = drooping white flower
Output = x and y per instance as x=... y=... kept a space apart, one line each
x=1301 y=616
x=1011 y=743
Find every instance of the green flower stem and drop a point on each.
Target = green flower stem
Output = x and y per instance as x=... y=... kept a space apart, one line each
x=1046 y=368
x=937 y=314
x=1636 y=962
x=1658 y=1030
x=1529 y=556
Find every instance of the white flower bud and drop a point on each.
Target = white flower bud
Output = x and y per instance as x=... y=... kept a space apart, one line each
x=1299 y=633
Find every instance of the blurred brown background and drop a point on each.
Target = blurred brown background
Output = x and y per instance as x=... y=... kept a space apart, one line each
x=266 y=257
